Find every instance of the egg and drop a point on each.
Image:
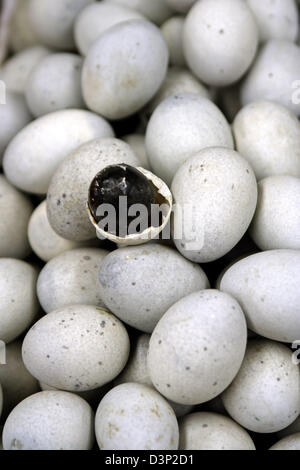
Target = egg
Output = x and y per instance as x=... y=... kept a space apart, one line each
x=124 y=68
x=211 y=431
x=139 y=284
x=258 y=129
x=274 y=75
x=43 y=240
x=276 y=20
x=50 y=421
x=55 y=84
x=291 y=442
x=215 y=194
x=19 y=306
x=172 y=31
x=76 y=348
x=15 y=210
x=277 y=218
x=17 y=383
x=180 y=126
x=34 y=154
x=265 y=395
x=135 y=417
x=68 y=191
x=71 y=278
x=96 y=18
x=136 y=371
x=220 y=39
x=267 y=287
x=14 y=115
x=156 y=11
x=197 y=347
x=16 y=70
x=21 y=34
x=52 y=22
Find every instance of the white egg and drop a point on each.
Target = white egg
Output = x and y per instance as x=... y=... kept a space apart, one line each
x=71 y=278
x=15 y=210
x=274 y=75
x=211 y=431
x=197 y=347
x=50 y=421
x=17 y=383
x=135 y=417
x=267 y=287
x=76 y=348
x=180 y=126
x=275 y=20
x=139 y=284
x=16 y=70
x=14 y=115
x=68 y=191
x=291 y=442
x=276 y=222
x=258 y=130
x=52 y=22
x=215 y=194
x=55 y=84
x=172 y=31
x=265 y=395
x=96 y=18
x=124 y=69
x=220 y=40
x=19 y=306
x=34 y=154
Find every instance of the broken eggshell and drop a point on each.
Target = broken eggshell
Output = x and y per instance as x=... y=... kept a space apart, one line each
x=162 y=196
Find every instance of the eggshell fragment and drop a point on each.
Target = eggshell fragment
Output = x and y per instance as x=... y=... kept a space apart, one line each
x=135 y=417
x=197 y=347
x=76 y=348
x=265 y=395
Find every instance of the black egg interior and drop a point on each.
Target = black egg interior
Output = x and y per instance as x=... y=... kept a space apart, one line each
x=110 y=185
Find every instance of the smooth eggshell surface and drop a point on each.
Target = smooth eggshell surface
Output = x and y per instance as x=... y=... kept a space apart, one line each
x=76 y=348
x=265 y=395
x=50 y=421
x=215 y=193
x=124 y=69
x=37 y=150
x=139 y=284
x=71 y=278
x=135 y=417
x=197 y=347
x=267 y=287
x=211 y=431
x=288 y=443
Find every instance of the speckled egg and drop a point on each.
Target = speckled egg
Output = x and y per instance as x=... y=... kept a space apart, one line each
x=267 y=287
x=15 y=210
x=265 y=395
x=69 y=187
x=180 y=126
x=19 y=306
x=258 y=131
x=211 y=431
x=50 y=421
x=215 y=194
x=135 y=417
x=139 y=284
x=55 y=84
x=220 y=40
x=37 y=150
x=197 y=347
x=124 y=68
x=76 y=348
x=277 y=218
x=71 y=278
